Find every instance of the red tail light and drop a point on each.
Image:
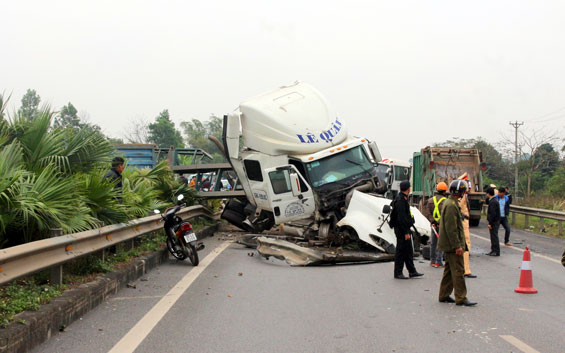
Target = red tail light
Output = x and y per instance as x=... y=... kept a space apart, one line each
x=185 y=227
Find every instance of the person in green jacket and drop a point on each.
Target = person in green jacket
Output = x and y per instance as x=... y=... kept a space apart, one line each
x=452 y=243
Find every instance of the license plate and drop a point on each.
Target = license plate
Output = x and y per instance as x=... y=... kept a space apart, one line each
x=190 y=237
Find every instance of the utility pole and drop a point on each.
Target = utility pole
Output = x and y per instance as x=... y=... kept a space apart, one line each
x=516 y=125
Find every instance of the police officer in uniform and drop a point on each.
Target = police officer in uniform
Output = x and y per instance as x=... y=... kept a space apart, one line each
x=452 y=242
x=402 y=221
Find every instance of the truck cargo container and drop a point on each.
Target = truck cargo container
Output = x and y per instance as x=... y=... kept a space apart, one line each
x=435 y=164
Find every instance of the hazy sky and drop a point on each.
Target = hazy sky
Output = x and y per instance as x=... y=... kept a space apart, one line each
x=403 y=73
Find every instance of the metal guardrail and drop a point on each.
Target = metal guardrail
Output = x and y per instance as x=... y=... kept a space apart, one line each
x=538 y=212
x=535 y=212
x=26 y=259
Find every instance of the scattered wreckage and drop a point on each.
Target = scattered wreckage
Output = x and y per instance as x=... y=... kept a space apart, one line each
x=296 y=161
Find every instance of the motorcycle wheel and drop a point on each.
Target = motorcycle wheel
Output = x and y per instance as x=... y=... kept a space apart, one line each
x=179 y=255
x=192 y=254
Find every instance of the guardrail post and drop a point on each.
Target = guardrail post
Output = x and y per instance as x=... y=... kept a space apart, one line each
x=527 y=222
x=513 y=218
x=541 y=224
x=56 y=276
x=560 y=228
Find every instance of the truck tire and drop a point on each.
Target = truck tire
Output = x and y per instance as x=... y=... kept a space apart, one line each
x=236 y=219
x=426 y=252
x=474 y=222
x=236 y=206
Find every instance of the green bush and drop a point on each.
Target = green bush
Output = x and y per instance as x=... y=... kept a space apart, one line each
x=54 y=178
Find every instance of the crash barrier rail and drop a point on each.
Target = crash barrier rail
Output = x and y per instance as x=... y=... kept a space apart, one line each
x=26 y=259
x=536 y=212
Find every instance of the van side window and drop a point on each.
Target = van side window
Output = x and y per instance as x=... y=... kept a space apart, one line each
x=280 y=180
x=253 y=170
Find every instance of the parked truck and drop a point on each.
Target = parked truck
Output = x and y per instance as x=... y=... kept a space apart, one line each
x=435 y=164
x=297 y=162
x=393 y=172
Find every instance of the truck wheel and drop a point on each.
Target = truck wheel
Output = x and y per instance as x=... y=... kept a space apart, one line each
x=473 y=222
x=235 y=205
x=236 y=219
x=426 y=252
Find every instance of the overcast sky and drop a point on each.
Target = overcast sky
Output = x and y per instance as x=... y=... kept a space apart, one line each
x=403 y=73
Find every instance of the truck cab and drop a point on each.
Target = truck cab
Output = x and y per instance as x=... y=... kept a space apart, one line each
x=296 y=161
x=394 y=171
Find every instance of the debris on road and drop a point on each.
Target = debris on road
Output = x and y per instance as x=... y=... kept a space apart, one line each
x=131 y=285
x=296 y=255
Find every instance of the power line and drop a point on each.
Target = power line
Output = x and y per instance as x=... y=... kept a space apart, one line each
x=545 y=115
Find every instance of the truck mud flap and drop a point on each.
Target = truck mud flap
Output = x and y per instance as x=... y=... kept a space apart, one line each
x=296 y=255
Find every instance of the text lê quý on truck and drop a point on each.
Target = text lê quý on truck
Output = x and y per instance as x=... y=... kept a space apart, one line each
x=297 y=162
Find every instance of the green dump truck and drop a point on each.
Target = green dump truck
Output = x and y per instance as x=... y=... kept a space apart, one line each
x=435 y=164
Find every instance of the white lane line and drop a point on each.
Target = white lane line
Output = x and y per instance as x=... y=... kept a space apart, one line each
x=518 y=344
x=137 y=334
x=520 y=250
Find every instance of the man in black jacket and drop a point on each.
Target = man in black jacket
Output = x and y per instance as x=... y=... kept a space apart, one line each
x=402 y=221
x=115 y=174
x=493 y=218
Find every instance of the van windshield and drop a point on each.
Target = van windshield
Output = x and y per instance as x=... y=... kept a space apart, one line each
x=338 y=166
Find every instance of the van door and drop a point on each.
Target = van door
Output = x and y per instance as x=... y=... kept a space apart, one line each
x=291 y=196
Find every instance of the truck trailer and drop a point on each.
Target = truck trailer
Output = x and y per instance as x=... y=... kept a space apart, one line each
x=436 y=164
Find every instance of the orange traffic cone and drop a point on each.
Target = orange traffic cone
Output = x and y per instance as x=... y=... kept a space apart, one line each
x=526 y=283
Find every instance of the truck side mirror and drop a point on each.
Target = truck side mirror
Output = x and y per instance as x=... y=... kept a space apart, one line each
x=295 y=184
x=386 y=209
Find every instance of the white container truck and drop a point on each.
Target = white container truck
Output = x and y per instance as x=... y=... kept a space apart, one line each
x=296 y=161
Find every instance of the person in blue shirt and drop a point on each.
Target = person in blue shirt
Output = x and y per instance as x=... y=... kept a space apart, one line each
x=504 y=204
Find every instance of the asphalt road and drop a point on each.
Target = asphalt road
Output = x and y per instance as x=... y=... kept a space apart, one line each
x=242 y=303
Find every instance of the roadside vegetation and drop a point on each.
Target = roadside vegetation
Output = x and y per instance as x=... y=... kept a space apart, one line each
x=52 y=176
x=52 y=167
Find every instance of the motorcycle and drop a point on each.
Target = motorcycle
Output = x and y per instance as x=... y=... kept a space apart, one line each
x=181 y=239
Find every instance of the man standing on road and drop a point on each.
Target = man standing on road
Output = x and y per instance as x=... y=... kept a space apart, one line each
x=402 y=221
x=464 y=205
x=115 y=174
x=504 y=203
x=452 y=241
x=493 y=219
x=433 y=214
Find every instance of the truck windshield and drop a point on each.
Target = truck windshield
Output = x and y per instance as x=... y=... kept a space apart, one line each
x=401 y=173
x=338 y=166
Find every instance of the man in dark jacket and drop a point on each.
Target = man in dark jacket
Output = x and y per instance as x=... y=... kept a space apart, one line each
x=493 y=218
x=504 y=204
x=115 y=174
x=452 y=242
x=402 y=221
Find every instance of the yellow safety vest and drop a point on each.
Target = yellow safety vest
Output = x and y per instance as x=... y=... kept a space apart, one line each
x=436 y=213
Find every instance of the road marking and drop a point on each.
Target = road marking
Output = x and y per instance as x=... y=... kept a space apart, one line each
x=134 y=298
x=520 y=250
x=518 y=344
x=137 y=334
